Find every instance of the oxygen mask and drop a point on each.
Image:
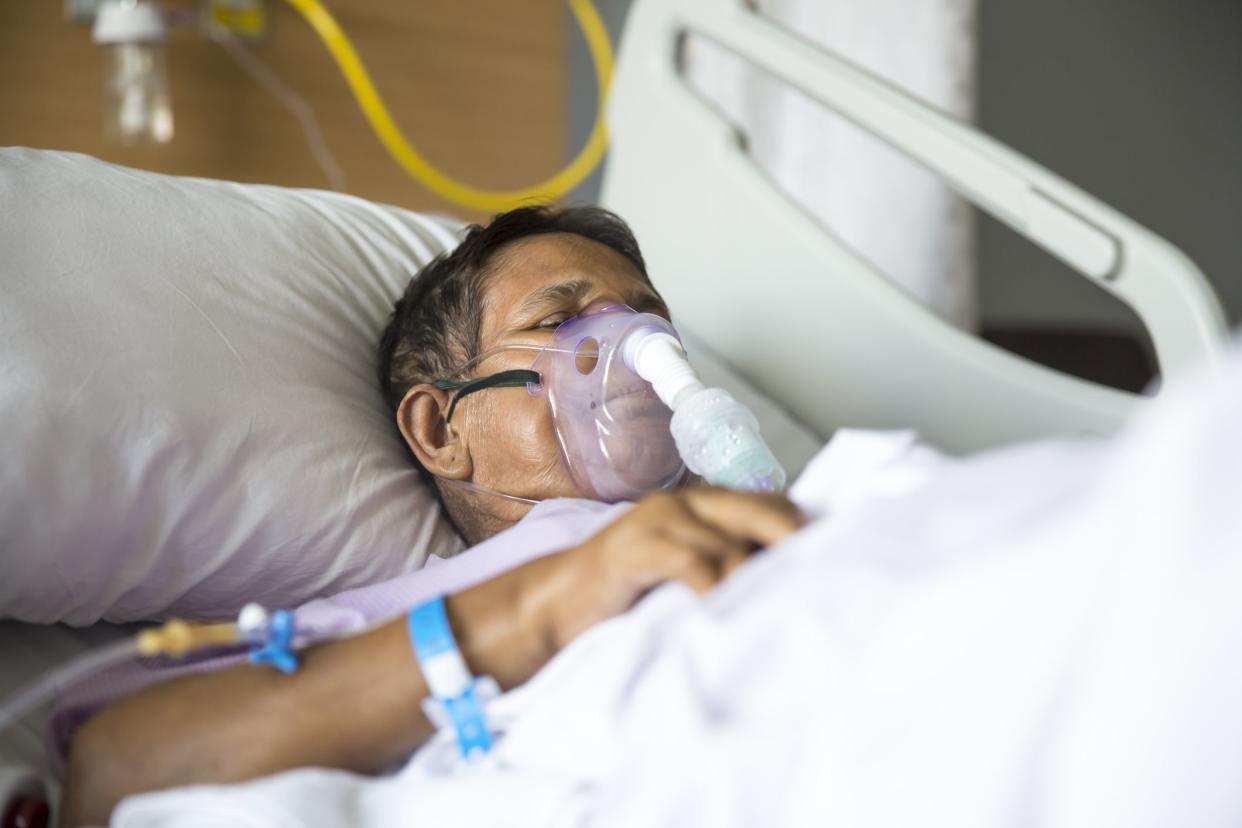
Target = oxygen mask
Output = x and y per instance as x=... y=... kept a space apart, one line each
x=612 y=378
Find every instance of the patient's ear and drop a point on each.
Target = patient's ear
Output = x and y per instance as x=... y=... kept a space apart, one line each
x=438 y=446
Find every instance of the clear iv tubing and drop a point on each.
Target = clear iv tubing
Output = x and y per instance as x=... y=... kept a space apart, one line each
x=175 y=638
x=413 y=162
x=47 y=686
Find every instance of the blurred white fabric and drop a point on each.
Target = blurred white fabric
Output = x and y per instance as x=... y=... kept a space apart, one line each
x=886 y=207
x=1047 y=634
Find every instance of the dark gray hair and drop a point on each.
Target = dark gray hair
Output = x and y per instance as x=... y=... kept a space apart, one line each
x=435 y=326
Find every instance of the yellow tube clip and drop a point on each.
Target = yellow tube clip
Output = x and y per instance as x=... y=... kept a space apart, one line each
x=176 y=638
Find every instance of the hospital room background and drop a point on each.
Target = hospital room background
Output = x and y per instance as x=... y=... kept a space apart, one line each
x=1136 y=101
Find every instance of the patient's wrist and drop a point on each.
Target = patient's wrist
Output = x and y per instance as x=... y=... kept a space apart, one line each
x=500 y=626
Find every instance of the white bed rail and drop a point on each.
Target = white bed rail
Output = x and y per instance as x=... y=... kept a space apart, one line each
x=807 y=319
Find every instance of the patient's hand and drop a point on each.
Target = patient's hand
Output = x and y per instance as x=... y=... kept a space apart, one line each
x=696 y=536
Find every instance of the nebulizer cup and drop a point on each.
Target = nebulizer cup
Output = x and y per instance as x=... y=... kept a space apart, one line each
x=717 y=437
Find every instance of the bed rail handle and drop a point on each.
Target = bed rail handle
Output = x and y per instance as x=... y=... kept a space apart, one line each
x=1168 y=292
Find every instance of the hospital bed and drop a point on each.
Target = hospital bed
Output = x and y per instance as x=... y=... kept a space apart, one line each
x=792 y=308
x=787 y=303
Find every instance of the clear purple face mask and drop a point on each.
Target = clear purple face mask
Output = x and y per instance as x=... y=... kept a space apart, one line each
x=613 y=433
x=612 y=430
x=630 y=413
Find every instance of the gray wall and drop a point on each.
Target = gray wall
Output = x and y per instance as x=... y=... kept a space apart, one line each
x=582 y=85
x=1139 y=102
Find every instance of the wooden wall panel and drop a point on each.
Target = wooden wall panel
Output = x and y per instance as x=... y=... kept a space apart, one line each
x=479 y=86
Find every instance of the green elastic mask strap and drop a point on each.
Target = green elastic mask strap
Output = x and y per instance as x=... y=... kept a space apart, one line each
x=505 y=379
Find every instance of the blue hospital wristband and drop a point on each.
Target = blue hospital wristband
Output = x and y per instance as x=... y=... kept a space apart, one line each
x=447 y=676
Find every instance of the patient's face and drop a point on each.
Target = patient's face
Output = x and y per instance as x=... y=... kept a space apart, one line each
x=537 y=283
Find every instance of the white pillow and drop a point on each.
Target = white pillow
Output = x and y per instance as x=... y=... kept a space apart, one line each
x=189 y=415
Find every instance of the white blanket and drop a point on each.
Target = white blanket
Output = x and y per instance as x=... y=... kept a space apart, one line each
x=1046 y=635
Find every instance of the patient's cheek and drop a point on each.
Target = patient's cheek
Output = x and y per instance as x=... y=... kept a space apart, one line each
x=520 y=453
x=538 y=458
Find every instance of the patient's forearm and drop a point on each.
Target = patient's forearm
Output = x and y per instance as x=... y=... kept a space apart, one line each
x=249 y=721
x=354 y=704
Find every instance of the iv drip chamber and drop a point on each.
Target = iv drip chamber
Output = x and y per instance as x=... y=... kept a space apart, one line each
x=137 y=103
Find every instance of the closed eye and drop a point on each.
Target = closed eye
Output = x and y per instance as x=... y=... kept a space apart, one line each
x=551 y=322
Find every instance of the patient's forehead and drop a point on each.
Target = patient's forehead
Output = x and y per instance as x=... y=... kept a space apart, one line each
x=541 y=277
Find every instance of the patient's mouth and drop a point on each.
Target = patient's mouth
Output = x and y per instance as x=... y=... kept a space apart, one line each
x=638 y=401
x=626 y=392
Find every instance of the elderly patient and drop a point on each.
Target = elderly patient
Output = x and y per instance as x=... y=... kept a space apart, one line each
x=354 y=704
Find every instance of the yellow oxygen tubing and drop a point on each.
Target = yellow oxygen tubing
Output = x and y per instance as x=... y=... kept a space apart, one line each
x=424 y=171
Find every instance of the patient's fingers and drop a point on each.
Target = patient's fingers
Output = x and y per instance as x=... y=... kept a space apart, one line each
x=694 y=536
x=761 y=518
x=695 y=571
x=683 y=525
x=732 y=561
x=663 y=558
x=699 y=569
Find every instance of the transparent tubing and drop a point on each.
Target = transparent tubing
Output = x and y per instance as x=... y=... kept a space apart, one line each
x=475 y=487
x=32 y=696
x=291 y=101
